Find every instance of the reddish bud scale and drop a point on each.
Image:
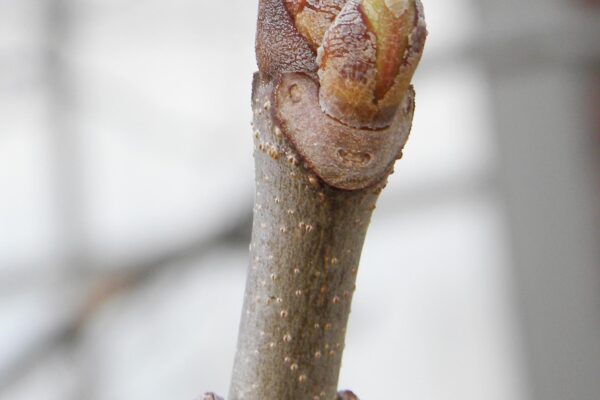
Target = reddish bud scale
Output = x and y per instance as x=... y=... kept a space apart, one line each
x=313 y=17
x=392 y=30
x=367 y=60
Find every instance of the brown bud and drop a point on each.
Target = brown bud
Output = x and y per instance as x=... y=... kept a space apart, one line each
x=367 y=60
x=363 y=53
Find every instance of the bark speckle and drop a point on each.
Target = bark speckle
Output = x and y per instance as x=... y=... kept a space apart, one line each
x=273 y=152
x=313 y=181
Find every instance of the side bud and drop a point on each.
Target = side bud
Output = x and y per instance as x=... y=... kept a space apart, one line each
x=367 y=59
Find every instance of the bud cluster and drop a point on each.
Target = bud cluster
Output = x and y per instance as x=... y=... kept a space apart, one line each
x=364 y=54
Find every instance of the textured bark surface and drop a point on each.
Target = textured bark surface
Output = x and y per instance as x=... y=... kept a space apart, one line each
x=306 y=245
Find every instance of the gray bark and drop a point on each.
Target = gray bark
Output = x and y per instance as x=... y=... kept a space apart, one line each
x=306 y=245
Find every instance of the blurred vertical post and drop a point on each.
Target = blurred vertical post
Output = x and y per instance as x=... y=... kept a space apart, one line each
x=64 y=141
x=539 y=78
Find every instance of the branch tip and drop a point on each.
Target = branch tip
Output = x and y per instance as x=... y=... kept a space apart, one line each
x=363 y=53
x=367 y=60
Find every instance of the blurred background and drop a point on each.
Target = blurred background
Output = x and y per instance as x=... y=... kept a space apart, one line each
x=126 y=188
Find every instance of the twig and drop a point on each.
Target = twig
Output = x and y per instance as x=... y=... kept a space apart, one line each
x=327 y=132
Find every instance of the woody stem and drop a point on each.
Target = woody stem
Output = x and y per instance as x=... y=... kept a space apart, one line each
x=306 y=243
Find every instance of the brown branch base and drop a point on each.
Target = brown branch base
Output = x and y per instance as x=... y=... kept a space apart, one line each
x=211 y=396
x=345 y=395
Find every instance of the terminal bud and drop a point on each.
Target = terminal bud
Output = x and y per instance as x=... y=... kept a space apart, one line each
x=367 y=59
